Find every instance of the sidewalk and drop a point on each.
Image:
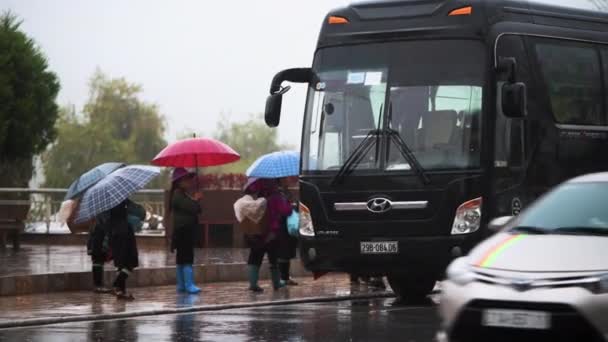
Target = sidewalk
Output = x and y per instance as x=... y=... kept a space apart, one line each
x=37 y=259
x=50 y=269
x=80 y=306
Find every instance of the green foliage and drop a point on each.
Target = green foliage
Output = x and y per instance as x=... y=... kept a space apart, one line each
x=251 y=139
x=115 y=126
x=27 y=102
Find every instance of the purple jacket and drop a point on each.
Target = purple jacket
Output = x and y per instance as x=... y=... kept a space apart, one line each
x=279 y=207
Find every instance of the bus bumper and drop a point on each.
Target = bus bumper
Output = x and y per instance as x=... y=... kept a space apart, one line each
x=416 y=255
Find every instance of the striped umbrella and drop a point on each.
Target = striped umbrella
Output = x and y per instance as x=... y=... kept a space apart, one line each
x=88 y=179
x=276 y=165
x=113 y=190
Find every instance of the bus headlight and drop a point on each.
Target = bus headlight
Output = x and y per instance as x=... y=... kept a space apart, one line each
x=306 y=226
x=468 y=217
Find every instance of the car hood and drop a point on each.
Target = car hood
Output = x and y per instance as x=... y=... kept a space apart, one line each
x=542 y=253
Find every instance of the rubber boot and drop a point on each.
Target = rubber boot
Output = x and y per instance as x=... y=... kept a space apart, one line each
x=275 y=274
x=284 y=267
x=254 y=276
x=188 y=273
x=179 y=277
x=98 y=279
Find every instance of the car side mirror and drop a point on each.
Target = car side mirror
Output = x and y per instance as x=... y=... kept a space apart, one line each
x=499 y=223
x=514 y=100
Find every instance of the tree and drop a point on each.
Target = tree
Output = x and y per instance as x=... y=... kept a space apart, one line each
x=28 y=111
x=251 y=139
x=115 y=125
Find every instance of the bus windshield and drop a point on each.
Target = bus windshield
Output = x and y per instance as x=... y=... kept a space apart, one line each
x=429 y=92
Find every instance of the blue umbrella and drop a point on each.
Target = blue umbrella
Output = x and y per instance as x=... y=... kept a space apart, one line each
x=89 y=179
x=276 y=165
x=113 y=190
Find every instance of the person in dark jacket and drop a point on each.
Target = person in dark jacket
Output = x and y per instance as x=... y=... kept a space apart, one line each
x=266 y=241
x=287 y=243
x=185 y=210
x=122 y=242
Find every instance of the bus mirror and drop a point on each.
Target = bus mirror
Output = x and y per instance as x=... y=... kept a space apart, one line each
x=514 y=100
x=272 y=115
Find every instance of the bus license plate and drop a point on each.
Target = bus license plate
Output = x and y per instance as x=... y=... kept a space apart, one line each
x=389 y=247
x=518 y=319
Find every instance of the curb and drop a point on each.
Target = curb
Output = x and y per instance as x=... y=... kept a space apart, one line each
x=141 y=277
x=203 y=308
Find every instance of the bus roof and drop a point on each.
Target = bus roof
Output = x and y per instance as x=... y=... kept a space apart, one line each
x=558 y=6
x=367 y=20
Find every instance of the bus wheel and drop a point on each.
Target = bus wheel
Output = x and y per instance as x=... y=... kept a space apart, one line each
x=411 y=290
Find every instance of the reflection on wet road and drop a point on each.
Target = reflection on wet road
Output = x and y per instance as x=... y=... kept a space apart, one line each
x=375 y=320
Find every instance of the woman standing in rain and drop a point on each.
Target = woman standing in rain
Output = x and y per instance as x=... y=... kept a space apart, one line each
x=185 y=209
x=263 y=238
x=117 y=221
x=287 y=243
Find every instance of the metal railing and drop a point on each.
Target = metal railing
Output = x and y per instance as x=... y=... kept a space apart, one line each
x=45 y=204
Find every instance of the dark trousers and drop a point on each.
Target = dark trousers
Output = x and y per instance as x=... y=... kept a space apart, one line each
x=184 y=242
x=98 y=255
x=257 y=252
x=120 y=282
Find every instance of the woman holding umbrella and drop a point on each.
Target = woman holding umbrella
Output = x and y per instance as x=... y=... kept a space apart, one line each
x=108 y=200
x=281 y=168
x=98 y=244
x=185 y=209
x=122 y=241
x=260 y=213
x=194 y=153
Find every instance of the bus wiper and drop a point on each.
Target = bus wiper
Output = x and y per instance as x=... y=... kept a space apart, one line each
x=359 y=152
x=405 y=151
x=356 y=156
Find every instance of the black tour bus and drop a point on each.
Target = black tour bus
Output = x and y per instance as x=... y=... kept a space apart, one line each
x=425 y=119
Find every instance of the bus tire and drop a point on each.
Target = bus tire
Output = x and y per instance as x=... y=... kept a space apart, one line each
x=411 y=289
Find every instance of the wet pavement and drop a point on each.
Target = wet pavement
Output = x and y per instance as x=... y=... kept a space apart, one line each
x=79 y=304
x=363 y=320
x=37 y=259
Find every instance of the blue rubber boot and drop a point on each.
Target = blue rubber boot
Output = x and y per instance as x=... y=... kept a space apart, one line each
x=189 y=279
x=254 y=276
x=275 y=274
x=179 y=276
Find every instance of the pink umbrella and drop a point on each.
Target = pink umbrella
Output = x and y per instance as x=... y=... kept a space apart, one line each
x=196 y=152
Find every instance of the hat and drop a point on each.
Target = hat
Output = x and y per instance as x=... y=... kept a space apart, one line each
x=180 y=173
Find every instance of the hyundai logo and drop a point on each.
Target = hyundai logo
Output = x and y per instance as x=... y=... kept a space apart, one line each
x=379 y=205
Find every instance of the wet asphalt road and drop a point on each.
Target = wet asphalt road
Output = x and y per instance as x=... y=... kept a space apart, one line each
x=369 y=320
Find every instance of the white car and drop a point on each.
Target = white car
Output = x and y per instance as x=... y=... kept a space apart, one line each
x=543 y=276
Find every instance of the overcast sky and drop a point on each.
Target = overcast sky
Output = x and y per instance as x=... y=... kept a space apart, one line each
x=194 y=58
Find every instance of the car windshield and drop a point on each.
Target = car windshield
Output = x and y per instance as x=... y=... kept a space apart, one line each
x=431 y=98
x=575 y=208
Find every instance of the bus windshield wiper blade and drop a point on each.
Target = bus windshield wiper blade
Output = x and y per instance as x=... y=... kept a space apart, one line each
x=359 y=152
x=356 y=156
x=405 y=151
x=582 y=231
x=530 y=230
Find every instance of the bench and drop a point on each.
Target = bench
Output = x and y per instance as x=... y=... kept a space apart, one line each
x=13 y=214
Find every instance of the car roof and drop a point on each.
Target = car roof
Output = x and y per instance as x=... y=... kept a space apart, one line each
x=590 y=178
